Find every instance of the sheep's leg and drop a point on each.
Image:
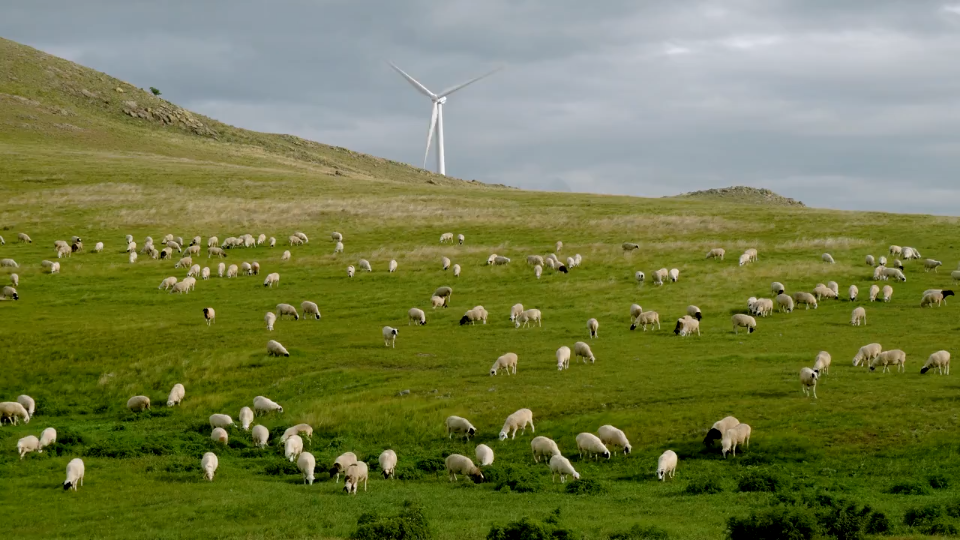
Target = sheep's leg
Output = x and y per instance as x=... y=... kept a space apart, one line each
x=814 y=392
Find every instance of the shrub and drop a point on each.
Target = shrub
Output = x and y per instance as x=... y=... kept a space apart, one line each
x=155 y=91
x=280 y=467
x=431 y=465
x=585 y=486
x=514 y=478
x=759 y=481
x=908 y=488
x=845 y=521
x=641 y=533
x=938 y=481
x=703 y=486
x=929 y=520
x=528 y=529
x=877 y=524
x=778 y=523
x=410 y=524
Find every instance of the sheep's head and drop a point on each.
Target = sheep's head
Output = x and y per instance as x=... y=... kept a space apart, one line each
x=627 y=449
x=472 y=431
x=464 y=320
x=712 y=435
x=503 y=435
x=632 y=326
x=924 y=369
x=751 y=329
x=493 y=371
x=606 y=454
x=676 y=330
x=947 y=292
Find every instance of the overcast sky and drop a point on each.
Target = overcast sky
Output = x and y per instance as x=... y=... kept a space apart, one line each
x=842 y=104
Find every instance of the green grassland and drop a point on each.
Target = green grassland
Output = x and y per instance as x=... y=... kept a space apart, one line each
x=84 y=341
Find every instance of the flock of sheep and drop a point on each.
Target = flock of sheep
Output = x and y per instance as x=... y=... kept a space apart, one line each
x=730 y=431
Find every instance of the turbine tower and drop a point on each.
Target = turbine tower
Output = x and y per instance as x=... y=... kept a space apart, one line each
x=436 y=115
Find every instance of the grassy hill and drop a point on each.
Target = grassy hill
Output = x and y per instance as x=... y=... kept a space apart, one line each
x=83 y=341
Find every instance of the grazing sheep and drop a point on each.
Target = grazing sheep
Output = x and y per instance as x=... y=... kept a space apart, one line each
x=785 y=303
x=285 y=256
x=271 y=280
x=456 y=270
x=582 y=350
x=853 y=292
x=28 y=444
x=132 y=246
x=138 y=403
x=220 y=269
x=529 y=316
x=719 y=428
x=716 y=253
x=15 y=280
x=9 y=292
x=299 y=429
x=175 y=246
x=205 y=273
x=552 y=263
x=212 y=241
x=808 y=381
x=444 y=292
x=910 y=253
x=827 y=258
x=887 y=293
x=416 y=316
x=505 y=362
x=350 y=271
x=232 y=271
x=50 y=267
x=534 y=260
x=263 y=405
x=194 y=250
x=437 y=301
x=822 y=364
x=246 y=417
x=874 y=291
x=28 y=403
x=293 y=446
x=209 y=464
x=858 y=316
x=459 y=426
x=445 y=262
x=194 y=271
x=392 y=267
x=287 y=309
x=659 y=276
x=500 y=260
x=894 y=357
x=590 y=445
x=870 y=260
x=484 y=456
x=365 y=265
x=216 y=252
x=22 y=238
x=176 y=395
x=270 y=318
x=563 y=358
x=460 y=239
x=221 y=421
x=821 y=291
x=561 y=465
x=47 y=437
x=939 y=360
x=639 y=276
x=515 y=421
x=777 y=288
x=537 y=271
x=744 y=259
x=762 y=307
x=878 y=273
x=867 y=353
x=627 y=246
x=306 y=463
x=338 y=248
x=343 y=461
x=390 y=337
x=647 y=318
x=98 y=247
x=571 y=262
x=674 y=275
x=273 y=242
x=806 y=299
x=935 y=297
x=592 y=326
x=261 y=436
x=219 y=435
x=14 y=411
x=75 y=470
x=446 y=237
x=133 y=257
x=666 y=465
x=295 y=241
x=737 y=435
x=559 y=246
x=895 y=273
x=744 y=321
x=543 y=447
x=336 y=237
x=310 y=309
x=276 y=349
x=459 y=464
x=474 y=315
x=614 y=438
x=180 y=288
x=896 y=251
x=686 y=326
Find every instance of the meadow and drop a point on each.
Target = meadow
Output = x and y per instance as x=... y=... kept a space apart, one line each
x=83 y=341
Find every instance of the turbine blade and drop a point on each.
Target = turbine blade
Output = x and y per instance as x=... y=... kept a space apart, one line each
x=449 y=91
x=433 y=124
x=413 y=82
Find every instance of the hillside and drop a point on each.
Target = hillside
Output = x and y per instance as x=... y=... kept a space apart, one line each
x=742 y=195
x=874 y=455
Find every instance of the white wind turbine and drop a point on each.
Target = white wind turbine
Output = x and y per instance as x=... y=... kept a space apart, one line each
x=436 y=116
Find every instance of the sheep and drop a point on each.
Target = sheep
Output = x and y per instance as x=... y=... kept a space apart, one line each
x=939 y=360
x=887 y=358
x=175 y=246
x=182 y=287
x=205 y=273
x=220 y=268
x=22 y=238
x=216 y=252
x=614 y=438
x=416 y=316
x=293 y=446
x=47 y=437
x=219 y=435
x=592 y=326
x=500 y=260
x=350 y=271
x=132 y=258
x=474 y=315
x=744 y=259
x=505 y=362
x=28 y=444
x=209 y=464
x=537 y=271
x=221 y=421
x=762 y=307
x=138 y=403
x=310 y=309
x=897 y=264
x=285 y=256
x=858 y=316
x=194 y=250
x=273 y=242
x=287 y=309
x=276 y=349
x=874 y=291
x=777 y=288
x=14 y=411
x=246 y=417
x=870 y=260
x=515 y=421
x=212 y=241
x=716 y=253
x=945 y=292
x=295 y=241
x=867 y=353
x=459 y=426
x=484 y=455
x=176 y=395
x=261 y=436
x=896 y=251
x=461 y=239
x=590 y=445
x=910 y=253
x=552 y=263
x=528 y=316
x=561 y=465
x=744 y=321
x=437 y=301
x=9 y=292
x=578 y=259
x=628 y=246
x=534 y=260
x=446 y=237
x=232 y=271
x=75 y=470
x=445 y=262
x=895 y=273
x=674 y=275
x=343 y=461
x=686 y=326
x=827 y=258
x=739 y=434
x=390 y=337
x=563 y=358
x=853 y=292
x=785 y=303
x=28 y=403
x=887 y=293
x=821 y=291
x=647 y=318
x=822 y=364
x=955 y=275
x=571 y=262
x=559 y=246
x=659 y=276
x=338 y=248
x=934 y=297
x=306 y=463
x=270 y=318
x=719 y=428
x=666 y=465
x=15 y=280
x=299 y=429
x=582 y=350
x=365 y=265
x=806 y=299
x=878 y=273
x=263 y=405
x=194 y=271
x=271 y=280
x=459 y=464
x=543 y=447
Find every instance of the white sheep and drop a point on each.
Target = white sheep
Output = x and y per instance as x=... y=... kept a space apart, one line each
x=910 y=253
x=213 y=241
x=220 y=269
x=456 y=270
x=446 y=237
x=858 y=317
x=261 y=436
x=271 y=280
x=582 y=350
x=295 y=241
x=867 y=353
x=47 y=437
x=716 y=253
x=686 y=326
x=744 y=259
x=827 y=258
x=444 y=292
x=534 y=260
x=9 y=292
x=15 y=280
x=310 y=309
x=666 y=465
x=659 y=276
x=392 y=267
x=674 y=275
x=273 y=242
x=75 y=470
x=762 y=307
x=894 y=357
x=263 y=405
x=639 y=276
x=338 y=248
x=336 y=237
x=98 y=247
x=821 y=291
x=270 y=318
x=822 y=364
x=209 y=464
x=287 y=309
x=232 y=271
x=459 y=464
x=719 y=428
x=13 y=411
x=219 y=435
x=299 y=429
x=246 y=269
x=28 y=444
x=590 y=445
x=341 y=464
x=538 y=271
x=221 y=421
x=276 y=349
x=484 y=455
x=138 y=403
x=629 y=246
x=28 y=403
x=459 y=426
x=205 y=273
x=614 y=438
x=744 y=321
x=895 y=273
x=390 y=336
x=543 y=447
x=445 y=262
x=437 y=301
x=808 y=381
x=365 y=265
x=22 y=238
x=515 y=421
x=292 y=447
x=133 y=257
x=785 y=303
x=529 y=316
x=561 y=465
x=9 y=263
x=806 y=299
x=306 y=463
x=460 y=239
x=388 y=461
x=563 y=358
x=887 y=293
x=182 y=287
x=853 y=292
x=737 y=435
x=559 y=246
x=478 y=313
x=246 y=417
x=176 y=395
x=939 y=360
x=416 y=316
x=647 y=318
x=592 y=326
x=285 y=256
x=351 y=271
x=871 y=261
x=505 y=362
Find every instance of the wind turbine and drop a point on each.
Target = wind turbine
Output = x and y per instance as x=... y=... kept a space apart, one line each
x=436 y=115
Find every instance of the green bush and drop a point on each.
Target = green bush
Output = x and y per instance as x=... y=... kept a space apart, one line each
x=877 y=524
x=778 y=523
x=845 y=521
x=585 y=486
x=706 y=485
x=280 y=467
x=431 y=465
x=759 y=481
x=930 y=520
x=528 y=529
x=514 y=478
x=938 y=481
x=641 y=533
x=908 y=488
x=410 y=524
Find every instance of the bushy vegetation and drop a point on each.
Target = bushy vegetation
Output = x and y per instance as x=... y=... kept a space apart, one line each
x=777 y=523
x=529 y=529
x=409 y=524
x=639 y=532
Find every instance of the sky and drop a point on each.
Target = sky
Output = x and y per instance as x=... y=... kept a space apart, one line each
x=842 y=104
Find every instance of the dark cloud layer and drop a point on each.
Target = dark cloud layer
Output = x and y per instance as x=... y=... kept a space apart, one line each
x=843 y=104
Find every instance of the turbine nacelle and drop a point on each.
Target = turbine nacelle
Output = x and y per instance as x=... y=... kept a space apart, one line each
x=441 y=100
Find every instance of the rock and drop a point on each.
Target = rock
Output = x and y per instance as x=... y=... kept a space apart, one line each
x=744 y=195
x=89 y=94
x=119 y=90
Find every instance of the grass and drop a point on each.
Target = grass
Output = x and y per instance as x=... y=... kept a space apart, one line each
x=84 y=341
